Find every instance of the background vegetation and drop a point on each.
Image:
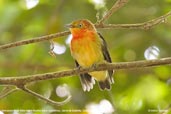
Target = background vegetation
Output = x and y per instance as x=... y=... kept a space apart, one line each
x=137 y=91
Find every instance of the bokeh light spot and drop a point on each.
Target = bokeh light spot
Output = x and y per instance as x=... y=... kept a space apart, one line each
x=58 y=48
x=169 y=81
x=31 y=3
x=152 y=52
x=68 y=40
x=104 y=107
x=98 y=4
x=93 y=108
x=62 y=90
x=15 y=112
x=29 y=112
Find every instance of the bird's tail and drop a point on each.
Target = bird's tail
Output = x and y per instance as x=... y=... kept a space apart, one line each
x=106 y=84
x=87 y=81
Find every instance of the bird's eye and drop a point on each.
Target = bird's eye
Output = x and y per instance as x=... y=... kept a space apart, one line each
x=80 y=25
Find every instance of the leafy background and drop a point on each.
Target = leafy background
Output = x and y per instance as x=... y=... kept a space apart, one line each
x=137 y=91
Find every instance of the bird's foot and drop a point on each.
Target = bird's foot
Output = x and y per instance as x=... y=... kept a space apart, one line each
x=79 y=67
x=94 y=66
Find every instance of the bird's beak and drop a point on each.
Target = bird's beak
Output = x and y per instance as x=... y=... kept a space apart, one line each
x=69 y=26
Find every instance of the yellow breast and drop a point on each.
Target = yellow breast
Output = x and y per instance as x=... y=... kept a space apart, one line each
x=87 y=51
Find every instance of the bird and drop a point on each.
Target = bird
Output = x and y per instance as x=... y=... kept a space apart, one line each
x=88 y=48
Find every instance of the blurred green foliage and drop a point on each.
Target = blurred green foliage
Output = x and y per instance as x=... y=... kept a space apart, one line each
x=136 y=91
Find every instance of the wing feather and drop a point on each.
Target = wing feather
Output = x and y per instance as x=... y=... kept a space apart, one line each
x=107 y=57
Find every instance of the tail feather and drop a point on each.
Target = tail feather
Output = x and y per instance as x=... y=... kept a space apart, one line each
x=106 y=84
x=87 y=81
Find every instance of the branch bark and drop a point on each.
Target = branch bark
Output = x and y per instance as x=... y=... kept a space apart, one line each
x=115 y=7
x=23 y=80
x=34 y=40
x=144 y=25
x=7 y=90
x=46 y=99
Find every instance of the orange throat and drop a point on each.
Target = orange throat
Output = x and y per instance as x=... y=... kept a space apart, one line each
x=77 y=33
x=82 y=33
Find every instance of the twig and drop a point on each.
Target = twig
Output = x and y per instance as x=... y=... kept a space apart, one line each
x=34 y=40
x=23 y=80
x=115 y=7
x=46 y=99
x=144 y=25
x=6 y=91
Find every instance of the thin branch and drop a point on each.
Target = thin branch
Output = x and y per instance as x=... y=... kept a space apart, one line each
x=145 y=25
x=7 y=90
x=34 y=40
x=23 y=80
x=115 y=7
x=46 y=99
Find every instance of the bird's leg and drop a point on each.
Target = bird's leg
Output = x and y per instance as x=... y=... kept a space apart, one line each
x=78 y=67
x=94 y=66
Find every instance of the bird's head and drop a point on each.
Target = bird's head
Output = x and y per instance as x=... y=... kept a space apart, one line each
x=81 y=26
